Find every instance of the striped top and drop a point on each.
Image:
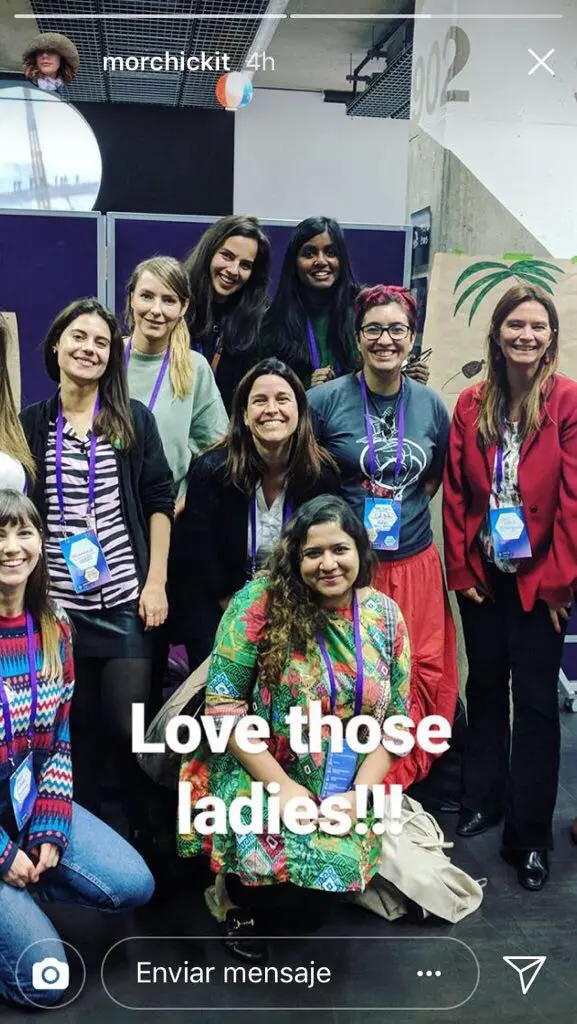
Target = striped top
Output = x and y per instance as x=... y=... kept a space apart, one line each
x=52 y=814
x=109 y=522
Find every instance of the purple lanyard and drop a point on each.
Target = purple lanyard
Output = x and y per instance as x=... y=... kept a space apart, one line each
x=161 y=372
x=369 y=429
x=313 y=347
x=360 y=682
x=34 y=688
x=91 y=463
x=286 y=514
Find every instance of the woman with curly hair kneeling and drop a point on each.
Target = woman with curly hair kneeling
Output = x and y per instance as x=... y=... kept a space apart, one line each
x=312 y=629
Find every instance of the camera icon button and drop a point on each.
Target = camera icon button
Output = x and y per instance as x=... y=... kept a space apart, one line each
x=50 y=973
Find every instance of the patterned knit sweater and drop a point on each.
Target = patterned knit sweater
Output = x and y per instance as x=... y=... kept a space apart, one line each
x=52 y=814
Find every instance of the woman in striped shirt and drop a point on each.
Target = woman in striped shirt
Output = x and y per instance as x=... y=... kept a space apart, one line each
x=51 y=850
x=105 y=493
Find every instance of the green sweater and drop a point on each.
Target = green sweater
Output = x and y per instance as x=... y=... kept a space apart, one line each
x=186 y=425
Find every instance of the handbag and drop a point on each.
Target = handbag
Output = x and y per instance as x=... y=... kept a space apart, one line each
x=415 y=870
x=188 y=699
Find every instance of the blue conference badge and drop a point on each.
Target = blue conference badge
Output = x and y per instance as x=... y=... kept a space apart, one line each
x=23 y=791
x=509 y=532
x=340 y=771
x=383 y=523
x=85 y=561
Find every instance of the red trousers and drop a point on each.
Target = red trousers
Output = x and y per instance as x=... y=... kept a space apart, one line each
x=418 y=587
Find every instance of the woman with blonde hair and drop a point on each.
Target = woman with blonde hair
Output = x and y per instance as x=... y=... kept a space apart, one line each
x=176 y=384
x=16 y=462
x=510 y=509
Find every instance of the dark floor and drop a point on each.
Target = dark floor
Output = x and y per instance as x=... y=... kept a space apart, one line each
x=373 y=964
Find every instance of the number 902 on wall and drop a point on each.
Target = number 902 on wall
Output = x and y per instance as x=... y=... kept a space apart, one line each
x=433 y=74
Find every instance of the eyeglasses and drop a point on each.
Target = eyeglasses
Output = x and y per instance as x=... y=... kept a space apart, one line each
x=373 y=332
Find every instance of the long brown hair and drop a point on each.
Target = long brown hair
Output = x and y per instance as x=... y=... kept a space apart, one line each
x=172 y=275
x=17 y=510
x=495 y=395
x=244 y=465
x=12 y=439
x=114 y=418
x=294 y=614
x=242 y=313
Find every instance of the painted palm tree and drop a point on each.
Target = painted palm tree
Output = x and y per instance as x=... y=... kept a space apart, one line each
x=532 y=271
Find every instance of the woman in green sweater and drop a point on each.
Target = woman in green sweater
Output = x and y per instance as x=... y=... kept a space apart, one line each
x=175 y=382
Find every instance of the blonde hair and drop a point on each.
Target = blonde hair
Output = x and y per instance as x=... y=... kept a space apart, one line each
x=494 y=399
x=12 y=439
x=172 y=274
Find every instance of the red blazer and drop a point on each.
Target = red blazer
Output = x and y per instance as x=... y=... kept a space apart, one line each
x=548 y=490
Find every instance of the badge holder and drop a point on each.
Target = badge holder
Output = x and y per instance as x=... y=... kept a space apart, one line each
x=509 y=532
x=85 y=561
x=382 y=520
x=340 y=771
x=23 y=791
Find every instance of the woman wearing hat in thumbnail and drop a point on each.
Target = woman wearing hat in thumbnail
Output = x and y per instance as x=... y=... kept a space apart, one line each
x=16 y=462
x=105 y=494
x=228 y=273
x=238 y=496
x=510 y=508
x=388 y=435
x=50 y=848
x=51 y=61
x=176 y=384
x=313 y=629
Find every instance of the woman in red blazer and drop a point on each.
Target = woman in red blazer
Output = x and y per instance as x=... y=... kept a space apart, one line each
x=510 y=524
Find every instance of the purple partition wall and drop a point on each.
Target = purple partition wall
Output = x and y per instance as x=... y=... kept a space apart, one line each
x=377 y=254
x=46 y=261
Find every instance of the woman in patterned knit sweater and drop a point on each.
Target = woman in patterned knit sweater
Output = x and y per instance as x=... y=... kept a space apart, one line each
x=48 y=845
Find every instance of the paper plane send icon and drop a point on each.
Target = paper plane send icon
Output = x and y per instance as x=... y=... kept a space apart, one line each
x=527 y=967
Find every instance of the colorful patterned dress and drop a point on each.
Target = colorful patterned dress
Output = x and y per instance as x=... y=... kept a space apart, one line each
x=316 y=861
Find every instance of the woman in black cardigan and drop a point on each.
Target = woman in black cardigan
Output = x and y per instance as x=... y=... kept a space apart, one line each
x=239 y=494
x=104 y=491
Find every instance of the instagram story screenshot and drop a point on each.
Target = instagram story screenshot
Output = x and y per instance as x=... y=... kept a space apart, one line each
x=288 y=510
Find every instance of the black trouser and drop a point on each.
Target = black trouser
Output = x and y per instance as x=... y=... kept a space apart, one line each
x=516 y=770
x=283 y=908
x=101 y=724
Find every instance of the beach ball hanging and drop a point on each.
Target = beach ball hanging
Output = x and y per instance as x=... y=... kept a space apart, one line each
x=234 y=90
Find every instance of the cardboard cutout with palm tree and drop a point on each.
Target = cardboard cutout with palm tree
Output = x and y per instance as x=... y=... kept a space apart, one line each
x=462 y=295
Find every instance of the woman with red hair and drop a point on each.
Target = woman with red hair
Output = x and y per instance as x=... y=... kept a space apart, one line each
x=389 y=434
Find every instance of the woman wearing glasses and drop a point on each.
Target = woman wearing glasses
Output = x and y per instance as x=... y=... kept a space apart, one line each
x=388 y=435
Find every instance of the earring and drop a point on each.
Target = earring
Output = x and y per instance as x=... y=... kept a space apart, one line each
x=547 y=359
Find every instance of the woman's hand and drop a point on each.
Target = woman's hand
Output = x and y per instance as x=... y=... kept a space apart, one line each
x=179 y=507
x=321 y=375
x=419 y=371
x=153 y=605
x=472 y=594
x=559 y=613
x=289 y=791
x=351 y=808
x=45 y=856
x=21 y=871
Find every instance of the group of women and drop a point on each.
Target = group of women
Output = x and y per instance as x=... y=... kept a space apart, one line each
x=183 y=485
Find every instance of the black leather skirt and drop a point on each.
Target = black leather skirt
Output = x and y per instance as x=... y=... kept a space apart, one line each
x=110 y=633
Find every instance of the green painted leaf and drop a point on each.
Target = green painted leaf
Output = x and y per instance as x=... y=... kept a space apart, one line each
x=537 y=265
x=533 y=279
x=574 y=259
x=503 y=277
x=475 y=268
x=517 y=256
x=516 y=269
x=478 y=284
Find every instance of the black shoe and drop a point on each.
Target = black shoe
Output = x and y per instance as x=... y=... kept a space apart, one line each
x=240 y=939
x=532 y=867
x=472 y=823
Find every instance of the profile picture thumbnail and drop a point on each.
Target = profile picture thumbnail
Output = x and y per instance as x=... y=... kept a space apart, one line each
x=50 y=61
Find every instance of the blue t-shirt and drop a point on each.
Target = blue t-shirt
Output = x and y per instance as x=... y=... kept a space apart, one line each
x=339 y=424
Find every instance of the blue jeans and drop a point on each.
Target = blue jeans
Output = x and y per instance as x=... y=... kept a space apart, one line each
x=99 y=870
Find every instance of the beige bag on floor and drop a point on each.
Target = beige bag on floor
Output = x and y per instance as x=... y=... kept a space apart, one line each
x=187 y=700
x=414 y=867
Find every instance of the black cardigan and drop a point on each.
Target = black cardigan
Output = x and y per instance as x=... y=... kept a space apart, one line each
x=145 y=480
x=209 y=551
